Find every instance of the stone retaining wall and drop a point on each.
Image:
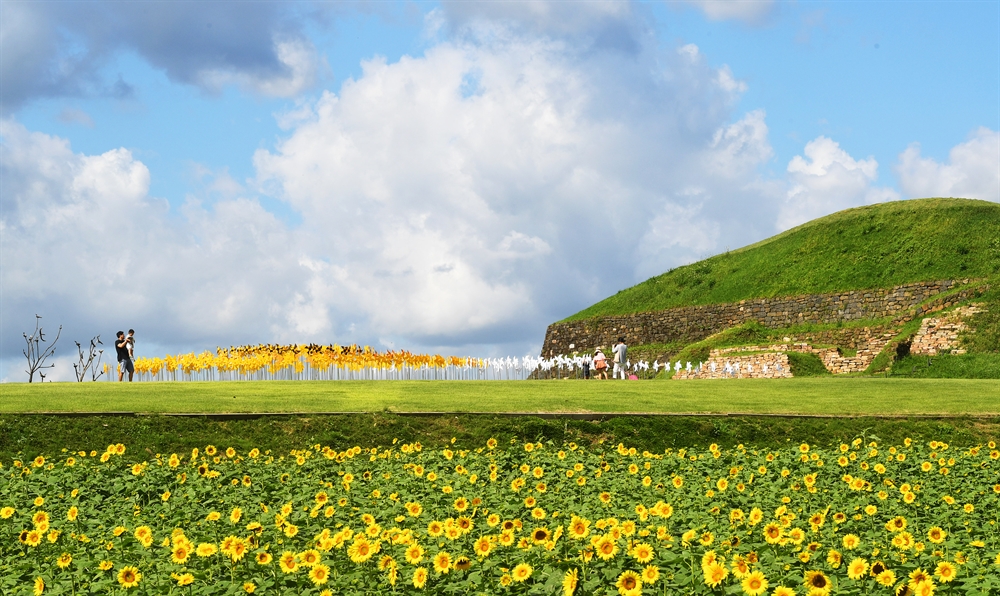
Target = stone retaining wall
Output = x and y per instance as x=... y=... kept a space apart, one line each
x=693 y=323
x=833 y=360
x=940 y=334
x=772 y=365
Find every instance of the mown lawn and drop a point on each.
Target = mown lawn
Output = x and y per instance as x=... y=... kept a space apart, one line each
x=823 y=396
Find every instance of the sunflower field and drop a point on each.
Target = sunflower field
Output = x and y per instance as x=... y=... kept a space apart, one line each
x=859 y=518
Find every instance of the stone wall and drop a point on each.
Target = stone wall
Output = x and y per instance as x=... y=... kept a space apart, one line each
x=694 y=323
x=772 y=365
x=832 y=358
x=940 y=334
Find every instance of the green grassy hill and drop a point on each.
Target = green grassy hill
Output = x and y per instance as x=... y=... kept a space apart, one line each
x=877 y=246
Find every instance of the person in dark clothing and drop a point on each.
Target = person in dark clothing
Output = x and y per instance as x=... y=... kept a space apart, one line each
x=124 y=360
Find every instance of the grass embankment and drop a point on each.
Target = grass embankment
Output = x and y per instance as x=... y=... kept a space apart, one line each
x=878 y=246
x=945 y=366
x=969 y=413
x=818 y=395
x=26 y=436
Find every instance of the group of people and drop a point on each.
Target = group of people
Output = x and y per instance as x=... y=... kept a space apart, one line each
x=125 y=347
x=600 y=362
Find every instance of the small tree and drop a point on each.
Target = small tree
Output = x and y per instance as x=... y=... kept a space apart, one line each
x=91 y=361
x=36 y=353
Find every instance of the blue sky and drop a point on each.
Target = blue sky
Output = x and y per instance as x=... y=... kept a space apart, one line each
x=450 y=176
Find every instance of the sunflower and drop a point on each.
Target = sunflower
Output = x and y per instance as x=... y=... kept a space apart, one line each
x=180 y=554
x=642 y=552
x=754 y=584
x=773 y=533
x=887 y=577
x=264 y=558
x=857 y=569
x=540 y=535
x=183 y=579
x=288 y=562
x=414 y=554
x=442 y=562
x=851 y=541
x=606 y=548
x=319 y=574
x=817 y=581
x=629 y=583
x=783 y=591
x=129 y=577
x=105 y=565
x=936 y=535
x=462 y=563
x=834 y=558
x=521 y=572
x=740 y=567
x=419 y=577
x=714 y=573
x=206 y=549
x=945 y=571
x=570 y=581
x=39 y=586
x=482 y=546
x=579 y=528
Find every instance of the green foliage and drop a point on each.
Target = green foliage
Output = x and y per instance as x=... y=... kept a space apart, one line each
x=806 y=365
x=877 y=246
x=945 y=366
x=26 y=436
x=985 y=334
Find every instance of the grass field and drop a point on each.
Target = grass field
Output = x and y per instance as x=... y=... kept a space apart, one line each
x=820 y=396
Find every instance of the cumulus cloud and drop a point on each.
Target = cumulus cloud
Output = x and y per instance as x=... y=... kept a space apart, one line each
x=460 y=200
x=972 y=171
x=84 y=245
x=826 y=180
x=52 y=50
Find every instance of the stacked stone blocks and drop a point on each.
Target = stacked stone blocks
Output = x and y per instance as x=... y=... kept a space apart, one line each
x=939 y=335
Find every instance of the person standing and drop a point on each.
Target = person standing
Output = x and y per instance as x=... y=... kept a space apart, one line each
x=620 y=350
x=124 y=359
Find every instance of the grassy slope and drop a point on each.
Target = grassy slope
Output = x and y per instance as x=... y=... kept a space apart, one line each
x=816 y=395
x=876 y=246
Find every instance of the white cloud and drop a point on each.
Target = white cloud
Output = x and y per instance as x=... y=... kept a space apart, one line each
x=455 y=213
x=972 y=171
x=826 y=180
x=749 y=11
x=677 y=235
x=466 y=197
x=83 y=244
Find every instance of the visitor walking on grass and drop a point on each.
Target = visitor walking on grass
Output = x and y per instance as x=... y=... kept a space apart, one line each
x=600 y=364
x=124 y=359
x=620 y=351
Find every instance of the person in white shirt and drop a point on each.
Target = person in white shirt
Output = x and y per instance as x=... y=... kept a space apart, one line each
x=620 y=351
